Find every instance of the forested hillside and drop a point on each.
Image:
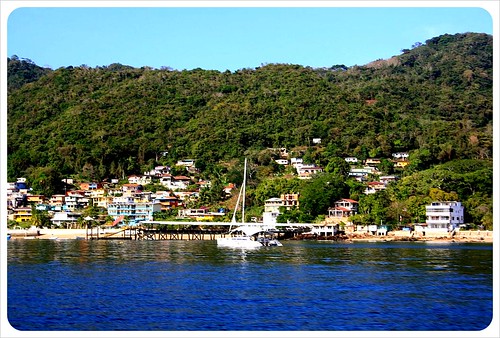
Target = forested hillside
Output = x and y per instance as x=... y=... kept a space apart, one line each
x=434 y=101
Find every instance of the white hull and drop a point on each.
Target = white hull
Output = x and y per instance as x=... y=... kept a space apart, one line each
x=248 y=240
x=238 y=242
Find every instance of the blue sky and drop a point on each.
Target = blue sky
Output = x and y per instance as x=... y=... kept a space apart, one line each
x=229 y=38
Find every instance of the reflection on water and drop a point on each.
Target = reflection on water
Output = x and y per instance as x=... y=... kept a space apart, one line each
x=190 y=285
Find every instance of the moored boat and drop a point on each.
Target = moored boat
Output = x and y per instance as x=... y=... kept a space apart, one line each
x=248 y=237
x=245 y=236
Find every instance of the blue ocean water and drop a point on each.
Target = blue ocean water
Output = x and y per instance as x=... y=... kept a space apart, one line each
x=196 y=286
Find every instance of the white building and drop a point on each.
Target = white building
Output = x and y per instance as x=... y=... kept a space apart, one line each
x=444 y=216
x=296 y=160
x=188 y=163
x=400 y=155
x=75 y=200
x=325 y=229
x=141 y=180
x=271 y=210
x=282 y=161
x=65 y=218
x=307 y=171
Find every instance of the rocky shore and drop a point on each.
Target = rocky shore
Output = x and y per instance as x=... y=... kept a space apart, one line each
x=407 y=236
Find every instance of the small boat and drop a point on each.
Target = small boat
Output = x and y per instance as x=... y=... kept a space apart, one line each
x=245 y=236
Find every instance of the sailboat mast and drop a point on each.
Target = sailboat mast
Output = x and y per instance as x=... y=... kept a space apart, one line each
x=244 y=188
x=233 y=220
x=242 y=193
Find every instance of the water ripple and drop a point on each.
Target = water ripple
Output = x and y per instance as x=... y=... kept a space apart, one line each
x=181 y=285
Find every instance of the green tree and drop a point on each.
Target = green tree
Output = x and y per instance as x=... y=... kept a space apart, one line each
x=46 y=181
x=40 y=218
x=320 y=192
x=373 y=208
x=338 y=166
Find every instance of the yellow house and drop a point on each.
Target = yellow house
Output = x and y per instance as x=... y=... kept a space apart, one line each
x=22 y=214
x=35 y=199
x=401 y=164
x=100 y=198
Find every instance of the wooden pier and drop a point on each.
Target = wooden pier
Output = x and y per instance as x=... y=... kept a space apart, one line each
x=155 y=234
x=191 y=231
x=180 y=234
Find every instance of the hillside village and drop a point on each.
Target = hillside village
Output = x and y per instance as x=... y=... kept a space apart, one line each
x=394 y=135
x=128 y=203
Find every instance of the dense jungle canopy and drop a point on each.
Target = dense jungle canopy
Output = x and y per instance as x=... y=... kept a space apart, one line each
x=434 y=100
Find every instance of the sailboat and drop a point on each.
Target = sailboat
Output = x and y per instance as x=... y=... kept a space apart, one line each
x=246 y=236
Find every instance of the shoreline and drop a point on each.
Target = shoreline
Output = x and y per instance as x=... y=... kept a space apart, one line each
x=459 y=237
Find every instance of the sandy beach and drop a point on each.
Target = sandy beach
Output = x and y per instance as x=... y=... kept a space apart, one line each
x=62 y=233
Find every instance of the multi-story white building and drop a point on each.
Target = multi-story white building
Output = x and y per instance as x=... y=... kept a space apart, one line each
x=75 y=200
x=444 y=216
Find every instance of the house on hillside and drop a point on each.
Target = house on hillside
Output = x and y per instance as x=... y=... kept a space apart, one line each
x=35 y=199
x=372 y=162
x=57 y=201
x=167 y=200
x=188 y=163
x=351 y=160
x=90 y=185
x=21 y=214
x=228 y=189
x=281 y=161
x=400 y=164
x=202 y=184
x=388 y=179
x=360 y=174
x=403 y=155
x=373 y=187
x=294 y=161
x=290 y=201
x=141 y=180
x=76 y=200
x=157 y=171
x=131 y=188
x=100 y=198
x=307 y=171
x=341 y=211
x=175 y=182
